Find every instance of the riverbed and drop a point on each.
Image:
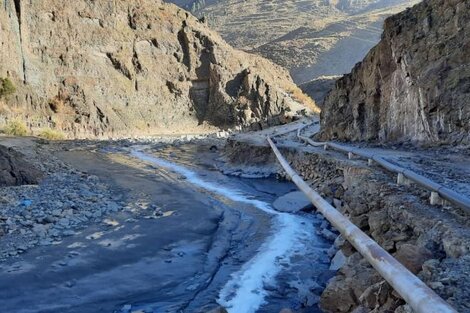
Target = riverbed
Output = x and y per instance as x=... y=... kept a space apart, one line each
x=187 y=239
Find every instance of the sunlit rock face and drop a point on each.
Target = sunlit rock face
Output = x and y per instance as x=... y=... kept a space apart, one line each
x=414 y=85
x=119 y=68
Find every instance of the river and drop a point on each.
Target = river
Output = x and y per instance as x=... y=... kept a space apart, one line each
x=219 y=242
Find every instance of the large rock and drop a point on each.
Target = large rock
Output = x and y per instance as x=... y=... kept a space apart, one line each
x=116 y=68
x=413 y=257
x=292 y=202
x=414 y=85
x=14 y=170
x=342 y=293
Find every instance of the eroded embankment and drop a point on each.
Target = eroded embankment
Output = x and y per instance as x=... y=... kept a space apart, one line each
x=433 y=242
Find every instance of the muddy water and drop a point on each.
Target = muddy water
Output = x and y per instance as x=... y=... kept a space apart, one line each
x=289 y=264
x=220 y=242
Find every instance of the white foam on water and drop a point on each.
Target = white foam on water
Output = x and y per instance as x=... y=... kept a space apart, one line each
x=245 y=292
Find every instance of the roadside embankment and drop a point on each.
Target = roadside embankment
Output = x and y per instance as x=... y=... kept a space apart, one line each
x=431 y=241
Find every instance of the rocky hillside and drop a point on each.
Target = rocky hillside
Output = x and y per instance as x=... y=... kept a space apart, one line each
x=311 y=38
x=117 y=68
x=414 y=85
x=319 y=88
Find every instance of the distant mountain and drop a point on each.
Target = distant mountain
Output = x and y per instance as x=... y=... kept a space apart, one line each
x=361 y=6
x=311 y=38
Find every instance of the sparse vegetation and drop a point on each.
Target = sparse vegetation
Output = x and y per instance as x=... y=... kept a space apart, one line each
x=301 y=97
x=16 y=128
x=51 y=134
x=56 y=104
x=6 y=87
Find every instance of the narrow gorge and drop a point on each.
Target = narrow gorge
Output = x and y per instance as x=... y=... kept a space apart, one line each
x=149 y=166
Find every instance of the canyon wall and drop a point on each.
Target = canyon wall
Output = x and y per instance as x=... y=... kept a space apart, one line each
x=413 y=86
x=118 y=68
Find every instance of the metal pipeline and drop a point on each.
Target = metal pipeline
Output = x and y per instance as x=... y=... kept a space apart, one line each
x=419 y=296
x=446 y=193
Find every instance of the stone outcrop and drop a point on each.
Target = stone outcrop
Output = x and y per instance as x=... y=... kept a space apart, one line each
x=14 y=170
x=414 y=85
x=292 y=202
x=118 y=68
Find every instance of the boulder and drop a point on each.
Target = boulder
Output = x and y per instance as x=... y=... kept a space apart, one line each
x=328 y=234
x=375 y=295
x=413 y=257
x=337 y=297
x=14 y=170
x=338 y=261
x=292 y=202
x=343 y=291
x=344 y=245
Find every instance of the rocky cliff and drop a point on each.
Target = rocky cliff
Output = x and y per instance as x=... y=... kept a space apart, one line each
x=117 y=68
x=414 y=85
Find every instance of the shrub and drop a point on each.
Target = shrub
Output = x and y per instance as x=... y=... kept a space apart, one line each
x=16 y=128
x=51 y=134
x=57 y=105
x=6 y=87
x=308 y=102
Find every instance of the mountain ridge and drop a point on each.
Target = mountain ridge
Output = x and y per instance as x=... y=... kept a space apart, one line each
x=311 y=39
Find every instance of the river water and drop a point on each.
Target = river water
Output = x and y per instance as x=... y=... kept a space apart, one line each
x=219 y=242
x=288 y=267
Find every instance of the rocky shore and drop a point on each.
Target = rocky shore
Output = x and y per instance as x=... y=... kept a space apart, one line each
x=431 y=241
x=42 y=214
x=15 y=170
x=43 y=200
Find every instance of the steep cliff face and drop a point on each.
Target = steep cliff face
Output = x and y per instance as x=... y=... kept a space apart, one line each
x=120 y=68
x=414 y=85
